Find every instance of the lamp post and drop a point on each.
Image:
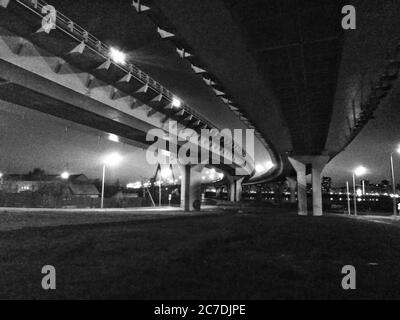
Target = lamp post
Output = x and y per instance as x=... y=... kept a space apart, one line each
x=348 y=197
x=359 y=171
x=110 y=160
x=393 y=181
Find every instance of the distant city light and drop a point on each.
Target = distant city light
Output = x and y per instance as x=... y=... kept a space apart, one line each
x=1 y=175
x=112 y=159
x=176 y=103
x=113 y=137
x=117 y=56
x=359 y=171
x=65 y=175
x=134 y=185
x=166 y=173
x=359 y=192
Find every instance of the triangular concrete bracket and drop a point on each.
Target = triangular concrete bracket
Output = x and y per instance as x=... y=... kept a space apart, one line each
x=79 y=48
x=137 y=4
x=197 y=69
x=106 y=65
x=164 y=34
x=143 y=89
x=157 y=98
x=126 y=78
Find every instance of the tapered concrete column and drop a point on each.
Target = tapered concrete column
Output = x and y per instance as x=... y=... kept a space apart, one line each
x=318 y=163
x=218 y=192
x=239 y=189
x=191 y=187
x=235 y=188
x=292 y=187
x=300 y=168
x=232 y=190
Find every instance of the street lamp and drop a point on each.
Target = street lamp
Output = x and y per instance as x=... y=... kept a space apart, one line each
x=176 y=102
x=359 y=171
x=393 y=180
x=117 y=56
x=112 y=159
x=65 y=175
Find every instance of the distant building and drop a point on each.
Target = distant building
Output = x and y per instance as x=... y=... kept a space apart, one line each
x=326 y=184
x=39 y=189
x=76 y=185
x=385 y=185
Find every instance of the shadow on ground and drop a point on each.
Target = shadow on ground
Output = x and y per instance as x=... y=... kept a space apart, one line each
x=263 y=255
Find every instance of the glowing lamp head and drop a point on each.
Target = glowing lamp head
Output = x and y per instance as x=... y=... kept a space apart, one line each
x=112 y=159
x=359 y=171
x=117 y=56
x=1 y=175
x=65 y=175
x=176 y=103
x=398 y=149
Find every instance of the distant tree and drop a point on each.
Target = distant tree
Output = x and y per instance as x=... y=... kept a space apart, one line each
x=52 y=192
x=37 y=174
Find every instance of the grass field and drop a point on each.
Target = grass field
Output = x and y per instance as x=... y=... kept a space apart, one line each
x=263 y=255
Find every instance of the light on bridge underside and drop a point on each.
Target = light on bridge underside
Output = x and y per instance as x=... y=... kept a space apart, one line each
x=359 y=171
x=117 y=56
x=264 y=167
x=113 y=137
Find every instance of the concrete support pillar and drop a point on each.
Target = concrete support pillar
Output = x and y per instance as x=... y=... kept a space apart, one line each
x=239 y=189
x=318 y=163
x=218 y=192
x=191 y=187
x=232 y=190
x=300 y=168
x=235 y=188
x=292 y=187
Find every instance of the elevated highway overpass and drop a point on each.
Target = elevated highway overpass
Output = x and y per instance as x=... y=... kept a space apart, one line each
x=288 y=71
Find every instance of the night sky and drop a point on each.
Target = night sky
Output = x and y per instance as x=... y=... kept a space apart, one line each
x=372 y=147
x=31 y=139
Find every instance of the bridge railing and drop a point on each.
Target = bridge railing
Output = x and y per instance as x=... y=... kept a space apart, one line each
x=74 y=30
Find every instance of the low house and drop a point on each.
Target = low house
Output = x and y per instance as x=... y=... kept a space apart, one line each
x=38 y=189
